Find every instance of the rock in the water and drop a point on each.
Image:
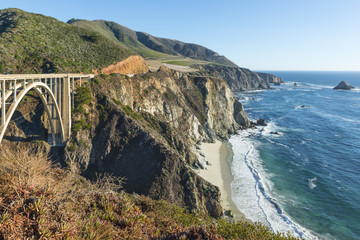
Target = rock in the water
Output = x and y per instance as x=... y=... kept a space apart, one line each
x=295 y=84
x=344 y=86
x=240 y=115
x=261 y=122
x=276 y=133
x=277 y=84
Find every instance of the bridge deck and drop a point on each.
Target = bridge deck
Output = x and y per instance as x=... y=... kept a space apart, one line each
x=48 y=75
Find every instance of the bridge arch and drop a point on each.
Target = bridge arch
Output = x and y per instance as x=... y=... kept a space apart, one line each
x=36 y=86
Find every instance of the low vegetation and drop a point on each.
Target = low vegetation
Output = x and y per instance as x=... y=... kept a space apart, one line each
x=33 y=43
x=40 y=200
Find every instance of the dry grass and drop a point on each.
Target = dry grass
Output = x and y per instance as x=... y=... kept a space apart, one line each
x=39 y=200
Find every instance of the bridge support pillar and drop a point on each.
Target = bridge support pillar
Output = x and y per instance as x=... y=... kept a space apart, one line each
x=66 y=106
x=3 y=102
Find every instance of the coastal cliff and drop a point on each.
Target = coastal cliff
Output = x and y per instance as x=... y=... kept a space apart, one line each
x=144 y=129
x=270 y=78
x=238 y=79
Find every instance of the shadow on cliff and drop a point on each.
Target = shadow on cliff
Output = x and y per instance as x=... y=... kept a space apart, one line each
x=26 y=124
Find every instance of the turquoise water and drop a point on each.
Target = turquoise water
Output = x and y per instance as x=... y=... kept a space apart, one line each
x=301 y=173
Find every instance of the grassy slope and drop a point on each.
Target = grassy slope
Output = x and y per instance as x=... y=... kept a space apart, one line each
x=195 y=51
x=119 y=34
x=33 y=43
x=149 y=46
x=40 y=200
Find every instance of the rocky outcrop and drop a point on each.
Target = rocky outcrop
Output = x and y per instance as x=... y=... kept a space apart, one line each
x=131 y=65
x=261 y=122
x=143 y=129
x=238 y=79
x=240 y=115
x=270 y=78
x=344 y=86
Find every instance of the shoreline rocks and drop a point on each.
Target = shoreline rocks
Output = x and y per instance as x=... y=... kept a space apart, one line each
x=343 y=86
x=261 y=122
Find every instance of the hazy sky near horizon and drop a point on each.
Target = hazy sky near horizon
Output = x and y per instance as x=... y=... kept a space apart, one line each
x=257 y=34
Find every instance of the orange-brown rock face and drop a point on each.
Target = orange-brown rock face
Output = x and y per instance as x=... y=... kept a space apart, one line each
x=131 y=65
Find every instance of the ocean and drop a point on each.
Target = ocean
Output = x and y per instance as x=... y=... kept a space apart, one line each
x=301 y=173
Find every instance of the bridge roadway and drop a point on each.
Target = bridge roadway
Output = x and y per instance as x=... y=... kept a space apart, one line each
x=56 y=92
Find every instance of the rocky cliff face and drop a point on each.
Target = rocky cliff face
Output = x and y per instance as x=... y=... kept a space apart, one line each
x=143 y=128
x=238 y=79
x=269 y=78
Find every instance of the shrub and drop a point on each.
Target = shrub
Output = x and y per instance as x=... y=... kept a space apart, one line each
x=96 y=80
x=80 y=125
x=83 y=96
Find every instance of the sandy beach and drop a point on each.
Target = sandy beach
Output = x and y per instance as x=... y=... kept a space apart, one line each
x=218 y=172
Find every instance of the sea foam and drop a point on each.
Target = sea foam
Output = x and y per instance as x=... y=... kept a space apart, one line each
x=252 y=187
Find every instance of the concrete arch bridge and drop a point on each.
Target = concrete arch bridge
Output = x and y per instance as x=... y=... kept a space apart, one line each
x=56 y=92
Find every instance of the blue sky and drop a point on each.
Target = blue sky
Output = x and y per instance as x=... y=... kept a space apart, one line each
x=257 y=34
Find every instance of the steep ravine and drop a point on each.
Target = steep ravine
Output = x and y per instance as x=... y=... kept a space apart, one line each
x=144 y=129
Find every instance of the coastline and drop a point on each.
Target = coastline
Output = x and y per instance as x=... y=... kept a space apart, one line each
x=218 y=172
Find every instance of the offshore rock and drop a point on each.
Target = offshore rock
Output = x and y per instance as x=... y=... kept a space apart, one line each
x=261 y=122
x=344 y=86
x=240 y=115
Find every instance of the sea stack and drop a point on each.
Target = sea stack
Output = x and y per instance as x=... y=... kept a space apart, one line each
x=261 y=122
x=344 y=86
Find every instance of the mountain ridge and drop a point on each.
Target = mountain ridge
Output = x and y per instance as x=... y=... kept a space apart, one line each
x=138 y=40
x=207 y=62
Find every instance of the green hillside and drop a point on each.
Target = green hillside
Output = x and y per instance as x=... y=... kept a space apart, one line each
x=149 y=46
x=194 y=51
x=118 y=34
x=33 y=43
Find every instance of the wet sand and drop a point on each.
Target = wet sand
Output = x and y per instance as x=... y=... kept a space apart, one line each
x=218 y=172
